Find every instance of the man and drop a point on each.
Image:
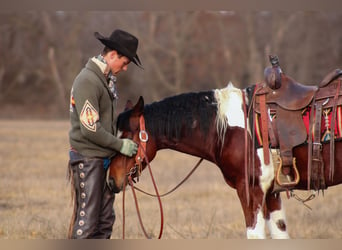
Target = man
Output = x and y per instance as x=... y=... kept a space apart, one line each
x=93 y=134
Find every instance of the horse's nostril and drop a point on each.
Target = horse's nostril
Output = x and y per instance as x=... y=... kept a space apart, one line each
x=112 y=186
x=111 y=183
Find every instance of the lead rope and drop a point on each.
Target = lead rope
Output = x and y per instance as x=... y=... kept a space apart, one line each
x=157 y=194
x=290 y=193
x=123 y=207
x=130 y=181
x=177 y=186
x=137 y=208
x=153 y=195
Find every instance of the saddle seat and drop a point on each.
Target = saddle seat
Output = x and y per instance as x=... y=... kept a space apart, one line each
x=291 y=95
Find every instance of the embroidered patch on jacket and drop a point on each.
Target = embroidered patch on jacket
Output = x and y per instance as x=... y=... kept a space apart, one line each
x=72 y=101
x=89 y=116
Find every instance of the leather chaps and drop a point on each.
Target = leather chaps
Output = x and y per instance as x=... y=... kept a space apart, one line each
x=94 y=214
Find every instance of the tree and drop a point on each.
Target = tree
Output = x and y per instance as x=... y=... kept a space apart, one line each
x=42 y=52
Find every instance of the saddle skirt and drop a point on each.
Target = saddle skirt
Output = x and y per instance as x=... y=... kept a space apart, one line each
x=325 y=124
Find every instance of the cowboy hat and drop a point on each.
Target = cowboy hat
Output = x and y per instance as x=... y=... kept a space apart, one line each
x=123 y=42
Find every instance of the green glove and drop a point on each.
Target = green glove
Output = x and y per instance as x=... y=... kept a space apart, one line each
x=128 y=147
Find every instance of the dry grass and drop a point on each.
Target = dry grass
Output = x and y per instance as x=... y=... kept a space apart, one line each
x=35 y=194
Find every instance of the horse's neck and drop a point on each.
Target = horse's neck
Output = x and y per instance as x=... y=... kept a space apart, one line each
x=189 y=145
x=183 y=123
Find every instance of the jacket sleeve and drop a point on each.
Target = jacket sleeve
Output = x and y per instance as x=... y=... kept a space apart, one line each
x=86 y=96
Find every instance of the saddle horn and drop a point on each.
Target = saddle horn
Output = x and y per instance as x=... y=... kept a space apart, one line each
x=273 y=74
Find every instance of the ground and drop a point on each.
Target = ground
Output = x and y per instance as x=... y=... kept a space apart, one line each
x=35 y=194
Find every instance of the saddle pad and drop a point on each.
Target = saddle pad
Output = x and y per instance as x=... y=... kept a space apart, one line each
x=326 y=123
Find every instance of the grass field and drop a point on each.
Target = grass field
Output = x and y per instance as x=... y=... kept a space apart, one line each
x=35 y=194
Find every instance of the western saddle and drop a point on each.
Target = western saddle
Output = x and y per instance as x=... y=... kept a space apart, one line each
x=288 y=99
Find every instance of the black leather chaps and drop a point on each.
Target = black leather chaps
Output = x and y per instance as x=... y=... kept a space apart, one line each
x=94 y=212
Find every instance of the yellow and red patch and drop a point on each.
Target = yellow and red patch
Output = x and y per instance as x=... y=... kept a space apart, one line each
x=72 y=101
x=89 y=116
x=306 y=120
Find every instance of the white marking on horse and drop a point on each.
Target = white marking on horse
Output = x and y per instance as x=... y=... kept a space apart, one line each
x=258 y=231
x=229 y=102
x=277 y=225
x=277 y=222
x=229 y=109
x=266 y=178
x=267 y=172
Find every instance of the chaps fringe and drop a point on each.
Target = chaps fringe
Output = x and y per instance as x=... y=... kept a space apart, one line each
x=70 y=177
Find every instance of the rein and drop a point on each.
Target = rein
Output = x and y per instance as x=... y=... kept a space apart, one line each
x=246 y=146
x=177 y=186
x=139 y=158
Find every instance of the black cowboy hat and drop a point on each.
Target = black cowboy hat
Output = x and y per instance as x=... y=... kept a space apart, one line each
x=123 y=42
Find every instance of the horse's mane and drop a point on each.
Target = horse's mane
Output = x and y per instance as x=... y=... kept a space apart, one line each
x=181 y=113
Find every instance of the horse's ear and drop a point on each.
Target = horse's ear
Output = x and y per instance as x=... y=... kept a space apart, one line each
x=138 y=109
x=129 y=105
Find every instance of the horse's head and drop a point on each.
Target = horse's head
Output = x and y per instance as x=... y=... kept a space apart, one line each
x=131 y=125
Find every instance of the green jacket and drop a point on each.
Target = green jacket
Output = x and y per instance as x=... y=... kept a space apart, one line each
x=92 y=114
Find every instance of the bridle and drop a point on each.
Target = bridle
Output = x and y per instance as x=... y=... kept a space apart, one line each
x=135 y=171
x=141 y=154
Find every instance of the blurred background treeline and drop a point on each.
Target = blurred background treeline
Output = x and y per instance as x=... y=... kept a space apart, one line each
x=41 y=52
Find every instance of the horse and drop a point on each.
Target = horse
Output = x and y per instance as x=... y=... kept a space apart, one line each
x=213 y=125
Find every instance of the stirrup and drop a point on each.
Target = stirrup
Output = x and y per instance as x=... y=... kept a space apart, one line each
x=296 y=174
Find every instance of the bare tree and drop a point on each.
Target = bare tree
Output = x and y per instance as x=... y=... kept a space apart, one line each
x=42 y=52
x=49 y=30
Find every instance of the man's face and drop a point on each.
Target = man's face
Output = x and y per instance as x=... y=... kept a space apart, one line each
x=117 y=63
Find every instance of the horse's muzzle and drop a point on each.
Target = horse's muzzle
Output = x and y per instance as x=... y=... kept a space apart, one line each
x=112 y=185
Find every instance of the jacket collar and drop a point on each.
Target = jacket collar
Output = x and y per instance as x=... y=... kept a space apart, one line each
x=92 y=66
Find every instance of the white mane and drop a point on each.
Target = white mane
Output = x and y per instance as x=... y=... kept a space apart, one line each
x=229 y=109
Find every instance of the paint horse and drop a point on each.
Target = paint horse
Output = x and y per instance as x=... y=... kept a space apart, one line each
x=213 y=125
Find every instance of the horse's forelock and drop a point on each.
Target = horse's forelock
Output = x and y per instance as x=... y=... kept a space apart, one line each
x=122 y=123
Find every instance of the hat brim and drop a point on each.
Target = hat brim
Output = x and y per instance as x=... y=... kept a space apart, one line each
x=121 y=50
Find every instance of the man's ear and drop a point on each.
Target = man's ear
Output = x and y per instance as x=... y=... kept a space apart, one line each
x=113 y=54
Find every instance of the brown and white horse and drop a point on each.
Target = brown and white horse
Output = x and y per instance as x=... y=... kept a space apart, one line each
x=212 y=125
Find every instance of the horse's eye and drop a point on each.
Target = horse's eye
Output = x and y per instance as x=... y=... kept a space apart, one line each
x=128 y=135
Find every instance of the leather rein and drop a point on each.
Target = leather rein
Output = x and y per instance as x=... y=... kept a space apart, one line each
x=136 y=170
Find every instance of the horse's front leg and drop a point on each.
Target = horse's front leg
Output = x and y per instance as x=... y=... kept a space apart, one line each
x=253 y=211
x=275 y=217
x=273 y=210
x=263 y=205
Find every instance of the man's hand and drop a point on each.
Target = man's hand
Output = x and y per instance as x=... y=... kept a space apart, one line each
x=128 y=148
